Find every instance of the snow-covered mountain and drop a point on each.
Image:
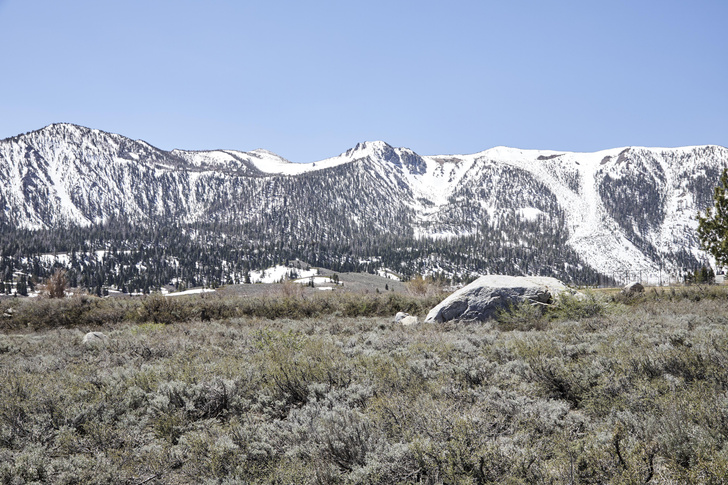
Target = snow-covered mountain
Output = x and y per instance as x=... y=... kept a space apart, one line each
x=624 y=208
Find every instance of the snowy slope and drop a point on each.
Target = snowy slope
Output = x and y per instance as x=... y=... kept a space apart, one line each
x=623 y=208
x=678 y=178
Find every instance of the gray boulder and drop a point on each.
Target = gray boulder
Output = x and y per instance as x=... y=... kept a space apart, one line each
x=633 y=289
x=482 y=298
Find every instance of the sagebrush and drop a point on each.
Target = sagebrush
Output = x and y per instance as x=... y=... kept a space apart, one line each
x=597 y=391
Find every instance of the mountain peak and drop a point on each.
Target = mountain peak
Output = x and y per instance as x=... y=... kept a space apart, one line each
x=59 y=128
x=267 y=154
x=368 y=148
x=376 y=144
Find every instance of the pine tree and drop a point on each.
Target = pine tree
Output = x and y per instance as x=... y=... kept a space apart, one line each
x=713 y=226
x=21 y=288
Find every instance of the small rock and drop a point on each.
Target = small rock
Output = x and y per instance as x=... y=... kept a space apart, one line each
x=94 y=339
x=405 y=319
x=409 y=320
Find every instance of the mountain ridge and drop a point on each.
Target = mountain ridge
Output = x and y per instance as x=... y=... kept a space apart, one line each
x=498 y=148
x=627 y=207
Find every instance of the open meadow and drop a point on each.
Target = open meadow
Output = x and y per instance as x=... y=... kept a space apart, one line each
x=327 y=389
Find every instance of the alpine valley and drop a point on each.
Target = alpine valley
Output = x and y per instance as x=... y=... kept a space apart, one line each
x=120 y=213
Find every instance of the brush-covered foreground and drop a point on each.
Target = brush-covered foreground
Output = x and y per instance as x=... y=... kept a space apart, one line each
x=594 y=391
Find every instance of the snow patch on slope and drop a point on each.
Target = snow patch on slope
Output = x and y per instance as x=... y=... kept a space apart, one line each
x=279 y=273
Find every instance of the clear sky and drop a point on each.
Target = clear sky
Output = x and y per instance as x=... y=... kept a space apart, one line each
x=310 y=79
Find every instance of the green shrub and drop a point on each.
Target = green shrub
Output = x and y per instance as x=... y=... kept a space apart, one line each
x=65 y=312
x=90 y=311
x=577 y=307
x=524 y=316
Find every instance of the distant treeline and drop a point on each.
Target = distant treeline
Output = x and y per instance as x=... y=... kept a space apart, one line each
x=144 y=257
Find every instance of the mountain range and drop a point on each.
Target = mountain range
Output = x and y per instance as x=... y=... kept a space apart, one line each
x=629 y=209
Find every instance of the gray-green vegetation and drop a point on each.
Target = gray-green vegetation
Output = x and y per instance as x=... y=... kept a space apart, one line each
x=601 y=389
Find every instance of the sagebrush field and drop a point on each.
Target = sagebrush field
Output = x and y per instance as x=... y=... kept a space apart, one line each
x=329 y=390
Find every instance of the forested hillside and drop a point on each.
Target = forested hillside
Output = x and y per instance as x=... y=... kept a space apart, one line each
x=122 y=214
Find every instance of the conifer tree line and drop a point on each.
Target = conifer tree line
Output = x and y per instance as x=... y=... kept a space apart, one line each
x=135 y=258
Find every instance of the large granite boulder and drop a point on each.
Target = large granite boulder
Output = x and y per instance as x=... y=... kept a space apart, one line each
x=482 y=298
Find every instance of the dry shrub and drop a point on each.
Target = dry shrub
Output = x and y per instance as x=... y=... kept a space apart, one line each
x=56 y=285
x=291 y=289
x=421 y=286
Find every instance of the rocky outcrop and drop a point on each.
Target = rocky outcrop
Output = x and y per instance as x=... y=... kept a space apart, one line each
x=482 y=298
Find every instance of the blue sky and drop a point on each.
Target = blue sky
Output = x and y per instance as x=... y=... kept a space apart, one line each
x=309 y=80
